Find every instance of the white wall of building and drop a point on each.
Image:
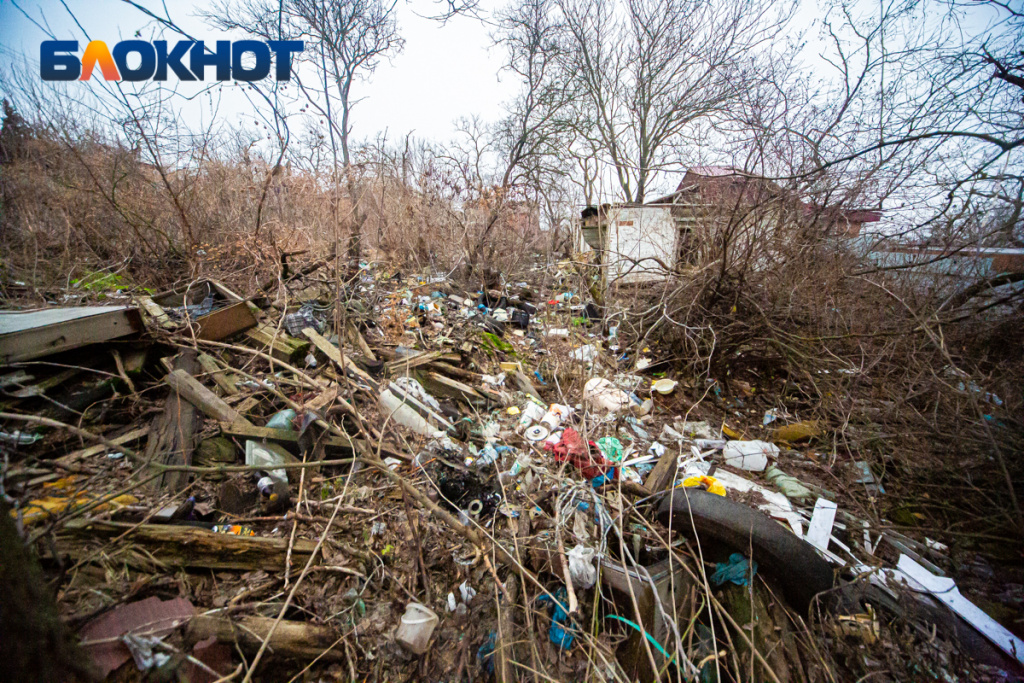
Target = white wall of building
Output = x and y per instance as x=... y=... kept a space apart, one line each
x=640 y=240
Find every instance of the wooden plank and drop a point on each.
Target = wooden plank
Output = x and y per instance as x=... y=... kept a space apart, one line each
x=525 y=385
x=324 y=399
x=41 y=387
x=450 y=387
x=663 y=473
x=402 y=365
x=282 y=347
x=225 y=322
x=360 y=341
x=25 y=335
x=335 y=354
x=123 y=440
x=182 y=546
x=216 y=373
x=172 y=434
x=284 y=436
x=300 y=640
x=224 y=291
x=189 y=388
x=155 y=311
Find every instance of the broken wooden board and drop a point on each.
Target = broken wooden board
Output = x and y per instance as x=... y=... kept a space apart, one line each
x=224 y=322
x=403 y=364
x=525 y=385
x=278 y=343
x=195 y=393
x=357 y=338
x=225 y=382
x=286 y=437
x=123 y=440
x=172 y=433
x=340 y=359
x=182 y=546
x=663 y=473
x=25 y=335
x=156 y=312
x=438 y=385
x=292 y=639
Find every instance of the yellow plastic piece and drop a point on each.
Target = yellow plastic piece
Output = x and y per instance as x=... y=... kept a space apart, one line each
x=710 y=483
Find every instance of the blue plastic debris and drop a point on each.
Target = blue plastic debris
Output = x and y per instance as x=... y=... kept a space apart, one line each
x=738 y=570
x=485 y=654
x=558 y=634
x=536 y=373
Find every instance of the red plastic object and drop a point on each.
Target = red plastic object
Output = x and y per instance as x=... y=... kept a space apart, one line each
x=580 y=454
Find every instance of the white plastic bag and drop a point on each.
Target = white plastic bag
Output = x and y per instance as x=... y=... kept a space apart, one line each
x=581 y=566
x=603 y=396
x=749 y=455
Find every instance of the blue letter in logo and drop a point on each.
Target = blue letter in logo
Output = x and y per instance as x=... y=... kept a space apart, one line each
x=283 y=50
x=172 y=59
x=59 y=67
x=221 y=59
x=146 y=66
x=262 y=67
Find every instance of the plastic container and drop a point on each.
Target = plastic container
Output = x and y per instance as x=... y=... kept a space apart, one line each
x=556 y=413
x=417 y=626
x=665 y=386
x=531 y=413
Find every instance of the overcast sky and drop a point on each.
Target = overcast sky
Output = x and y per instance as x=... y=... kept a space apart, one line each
x=445 y=71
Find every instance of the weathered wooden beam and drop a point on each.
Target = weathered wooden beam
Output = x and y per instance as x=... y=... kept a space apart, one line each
x=184 y=546
x=525 y=385
x=218 y=375
x=281 y=345
x=172 y=433
x=357 y=338
x=663 y=473
x=290 y=639
x=156 y=312
x=124 y=439
x=436 y=383
x=335 y=354
x=403 y=364
x=195 y=393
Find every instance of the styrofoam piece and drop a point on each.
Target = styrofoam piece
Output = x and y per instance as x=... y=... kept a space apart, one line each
x=944 y=590
x=820 y=529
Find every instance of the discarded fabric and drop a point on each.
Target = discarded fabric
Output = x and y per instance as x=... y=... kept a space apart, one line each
x=738 y=570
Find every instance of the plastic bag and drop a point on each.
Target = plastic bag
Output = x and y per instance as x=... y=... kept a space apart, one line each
x=749 y=455
x=581 y=566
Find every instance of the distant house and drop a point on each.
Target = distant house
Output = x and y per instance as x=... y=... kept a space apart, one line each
x=938 y=264
x=644 y=242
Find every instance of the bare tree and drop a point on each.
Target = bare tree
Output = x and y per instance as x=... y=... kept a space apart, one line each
x=346 y=43
x=647 y=70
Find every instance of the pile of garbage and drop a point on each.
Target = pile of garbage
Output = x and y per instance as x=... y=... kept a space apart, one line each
x=412 y=480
